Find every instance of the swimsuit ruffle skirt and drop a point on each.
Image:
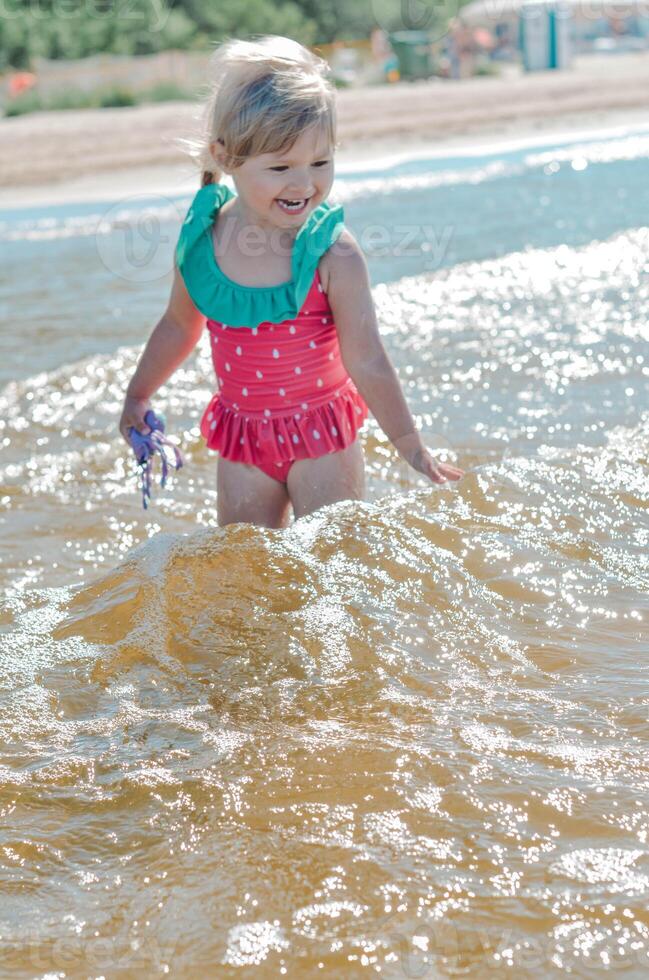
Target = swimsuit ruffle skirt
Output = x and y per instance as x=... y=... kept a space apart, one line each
x=284 y=393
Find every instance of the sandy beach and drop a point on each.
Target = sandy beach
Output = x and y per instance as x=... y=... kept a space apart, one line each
x=48 y=157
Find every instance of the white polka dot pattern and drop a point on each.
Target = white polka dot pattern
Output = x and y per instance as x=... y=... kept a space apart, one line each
x=278 y=376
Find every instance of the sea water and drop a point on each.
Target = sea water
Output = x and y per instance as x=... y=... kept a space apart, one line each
x=405 y=736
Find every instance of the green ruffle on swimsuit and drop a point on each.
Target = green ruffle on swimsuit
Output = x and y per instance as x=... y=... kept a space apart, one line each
x=219 y=297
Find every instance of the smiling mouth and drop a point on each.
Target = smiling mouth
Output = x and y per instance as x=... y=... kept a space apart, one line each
x=294 y=206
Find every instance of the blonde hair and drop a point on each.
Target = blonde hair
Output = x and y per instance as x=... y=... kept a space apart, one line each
x=263 y=94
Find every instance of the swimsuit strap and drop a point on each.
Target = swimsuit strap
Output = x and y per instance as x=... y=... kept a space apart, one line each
x=218 y=297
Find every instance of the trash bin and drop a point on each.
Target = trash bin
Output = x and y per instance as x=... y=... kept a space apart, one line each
x=412 y=48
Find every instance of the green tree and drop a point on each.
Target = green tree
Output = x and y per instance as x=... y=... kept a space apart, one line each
x=335 y=19
x=231 y=18
x=66 y=29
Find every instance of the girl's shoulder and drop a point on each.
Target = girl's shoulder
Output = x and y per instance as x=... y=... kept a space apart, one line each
x=344 y=246
x=345 y=254
x=217 y=297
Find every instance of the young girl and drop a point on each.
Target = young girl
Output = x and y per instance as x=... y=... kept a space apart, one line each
x=285 y=292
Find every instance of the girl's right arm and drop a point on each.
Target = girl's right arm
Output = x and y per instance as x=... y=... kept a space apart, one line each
x=172 y=340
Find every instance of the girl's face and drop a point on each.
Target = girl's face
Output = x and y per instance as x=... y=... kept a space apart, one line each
x=305 y=173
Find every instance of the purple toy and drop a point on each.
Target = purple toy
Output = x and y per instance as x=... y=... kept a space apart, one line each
x=146 y=446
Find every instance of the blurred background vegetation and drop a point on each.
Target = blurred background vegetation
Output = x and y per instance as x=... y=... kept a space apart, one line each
x=73 y=54
x=68 y=29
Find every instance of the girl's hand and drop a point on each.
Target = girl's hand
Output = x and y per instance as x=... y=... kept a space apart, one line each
x=419 y=457
x=133 y=415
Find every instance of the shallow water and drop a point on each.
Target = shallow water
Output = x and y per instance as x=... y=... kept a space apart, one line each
x=406 y=736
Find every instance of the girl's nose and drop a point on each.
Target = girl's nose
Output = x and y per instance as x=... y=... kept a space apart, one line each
x=305 y=190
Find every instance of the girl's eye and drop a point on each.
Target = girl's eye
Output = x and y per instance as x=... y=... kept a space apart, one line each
x=320 y=163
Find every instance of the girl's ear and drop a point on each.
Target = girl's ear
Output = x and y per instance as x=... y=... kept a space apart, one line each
x=217 y=151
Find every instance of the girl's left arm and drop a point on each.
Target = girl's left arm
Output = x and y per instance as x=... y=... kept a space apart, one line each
x=367 y=361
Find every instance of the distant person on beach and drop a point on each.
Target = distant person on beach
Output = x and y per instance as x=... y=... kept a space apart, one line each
x=504 y=48
x=284 y=289
x=383 y=56
x=461 y=49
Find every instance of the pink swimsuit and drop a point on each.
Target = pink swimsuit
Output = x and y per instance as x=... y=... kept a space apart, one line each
x=284 y=393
